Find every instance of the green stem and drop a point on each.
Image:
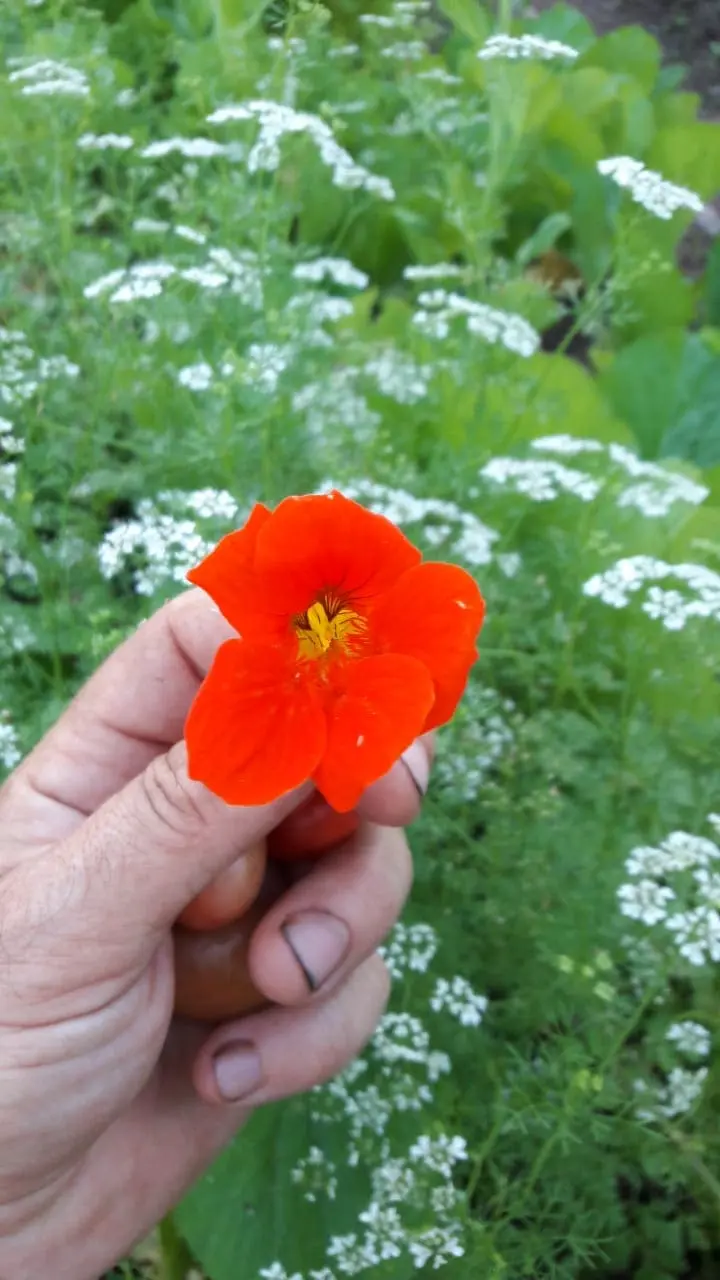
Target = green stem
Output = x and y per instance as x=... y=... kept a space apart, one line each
x=175 y=1257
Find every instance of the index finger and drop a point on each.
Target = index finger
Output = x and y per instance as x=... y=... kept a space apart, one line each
x=131 y=710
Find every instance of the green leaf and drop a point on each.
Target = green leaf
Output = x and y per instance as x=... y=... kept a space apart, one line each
x=566 y=24
x=666 y=387
x=630 y=51
x=245 y=1212
x=547 y=235
x=469 y=17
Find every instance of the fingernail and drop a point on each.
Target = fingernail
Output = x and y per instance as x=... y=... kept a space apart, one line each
x=417 y=763
x=318 y=942
x=237 y=1070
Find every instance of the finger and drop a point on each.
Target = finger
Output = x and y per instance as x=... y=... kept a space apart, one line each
x=395 y=800
x=103 y=899
x=333 y=918
x=132 y=710
x=284 y=1051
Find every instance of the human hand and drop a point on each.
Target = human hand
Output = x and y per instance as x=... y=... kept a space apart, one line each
x=109 y=1107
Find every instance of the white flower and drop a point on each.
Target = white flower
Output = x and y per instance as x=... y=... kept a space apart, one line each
x=690 y=1038
x=189 y=233
x=397 y=376
x=432 y=271
x=105 y=142
x=316 y=1173
x=645 y=900
x=439 y=1154
x=524 y=47
x=565 y=444
x=649 y=189
x=457 y=997
x=627 y=576
x=148 y=226
x=277 y=120
x=10 y=754
x=50 y=78
x=266 y=361
x=437 y=307
x=697 y=934
x=683 y=1090
x=206 y=276
x=410 y=947
x=339 y=270
x=436 y=1246
x=164 y=540
x=196 y=377
x=540 y=480
x=191 y=148
x=405 y=50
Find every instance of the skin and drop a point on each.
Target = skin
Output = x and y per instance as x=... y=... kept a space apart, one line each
x=110 y=1107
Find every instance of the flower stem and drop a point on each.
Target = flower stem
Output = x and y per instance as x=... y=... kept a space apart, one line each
x=175 y=1257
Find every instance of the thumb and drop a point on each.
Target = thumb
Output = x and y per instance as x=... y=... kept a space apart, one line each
x=120 y=881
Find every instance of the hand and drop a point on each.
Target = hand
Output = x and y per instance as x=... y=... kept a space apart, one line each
x=109 y=1108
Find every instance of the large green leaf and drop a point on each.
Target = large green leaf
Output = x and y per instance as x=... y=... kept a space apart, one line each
x=245 y=1213
x=666 y=387
x=631 y=51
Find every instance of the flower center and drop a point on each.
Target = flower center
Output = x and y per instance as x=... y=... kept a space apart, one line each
x=327 y=622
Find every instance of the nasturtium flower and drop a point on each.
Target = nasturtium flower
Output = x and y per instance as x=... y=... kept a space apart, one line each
x=348 y=647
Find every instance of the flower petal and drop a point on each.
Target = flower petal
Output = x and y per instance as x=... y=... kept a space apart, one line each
x=256 y=728
x=381 y=709
x=329 y=543
x=433 y=613
x=228 y=576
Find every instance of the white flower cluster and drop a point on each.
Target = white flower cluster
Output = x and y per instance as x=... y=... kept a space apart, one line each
x=437 y=308
x=444 y=523
x=239 y=271
x=655 y=489
x=276 y=120
x=541 y=481
x=160 y=227
x=21 y=372
x=676 y=1098
x=10 y=754
x=525 y=47
x=190 y=148
x=456 y=997
x=415 y=1211
x=410 y=948
x=105 y=142
x=676 y=885
x=260 y=368
x=339 y=270
x=649 y=189
x=48 y=78
x=690 y=1038
x=398 y=376
x=699 y=597
x=335 y=406
x=10 y=444
x=316 y=1174
x=481 y=732
x=433 y=271
x=405 y=50
x=164 y=541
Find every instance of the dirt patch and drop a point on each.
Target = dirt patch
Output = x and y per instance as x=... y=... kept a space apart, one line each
x=688 y=30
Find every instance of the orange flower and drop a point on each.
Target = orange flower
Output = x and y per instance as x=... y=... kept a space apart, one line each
x=348 y=648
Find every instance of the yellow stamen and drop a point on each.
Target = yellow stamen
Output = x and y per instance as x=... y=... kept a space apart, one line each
x=320 y=629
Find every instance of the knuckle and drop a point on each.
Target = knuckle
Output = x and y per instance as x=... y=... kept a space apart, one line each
x=175 y=802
